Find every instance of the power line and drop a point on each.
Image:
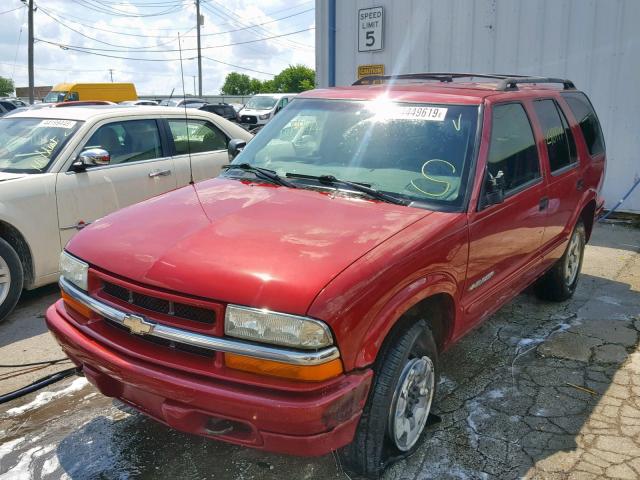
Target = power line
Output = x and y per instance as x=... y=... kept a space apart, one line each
x=96 y=6
x=222 y=14
x=238 y=66
x=93 y=27
x=102 y=41
x=79 y=47
x=12 y=10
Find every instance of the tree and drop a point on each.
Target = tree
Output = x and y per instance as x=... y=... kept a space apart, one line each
x=295 y=79
x=6 y=86
x=239 y=84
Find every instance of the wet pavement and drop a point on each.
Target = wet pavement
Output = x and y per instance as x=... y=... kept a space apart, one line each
x=540 y=390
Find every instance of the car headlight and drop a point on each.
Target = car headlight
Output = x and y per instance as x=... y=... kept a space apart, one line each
x=73 y=270
x=265 y=116
x=276 y=328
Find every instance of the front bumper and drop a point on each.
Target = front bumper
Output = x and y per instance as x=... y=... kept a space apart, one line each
x=294 y=422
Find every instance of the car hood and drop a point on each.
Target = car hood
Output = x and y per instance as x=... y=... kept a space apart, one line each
x=251 y=244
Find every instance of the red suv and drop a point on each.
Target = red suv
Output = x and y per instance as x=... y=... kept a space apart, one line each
x=299 y=302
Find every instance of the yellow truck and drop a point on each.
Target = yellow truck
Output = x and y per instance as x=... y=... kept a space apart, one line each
x=113 y=92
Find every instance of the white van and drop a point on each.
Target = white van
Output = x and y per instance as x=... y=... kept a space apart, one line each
x=262 y=107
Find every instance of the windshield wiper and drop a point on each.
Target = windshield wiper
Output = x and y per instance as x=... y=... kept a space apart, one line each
x=263 y=173
x=372 y=192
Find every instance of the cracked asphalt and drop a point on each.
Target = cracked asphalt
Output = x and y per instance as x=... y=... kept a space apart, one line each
x=540 y=391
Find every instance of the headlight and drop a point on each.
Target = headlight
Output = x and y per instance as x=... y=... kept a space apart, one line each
x=265 y=116
x=276 y=328
x=73 y=270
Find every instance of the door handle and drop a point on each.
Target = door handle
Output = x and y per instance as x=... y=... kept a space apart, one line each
x=544 y=203
x=159 y=173
x=580 y=184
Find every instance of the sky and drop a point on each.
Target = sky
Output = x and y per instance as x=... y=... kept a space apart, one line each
x=76 y=40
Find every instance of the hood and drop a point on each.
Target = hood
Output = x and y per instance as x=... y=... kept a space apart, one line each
x=251 y=244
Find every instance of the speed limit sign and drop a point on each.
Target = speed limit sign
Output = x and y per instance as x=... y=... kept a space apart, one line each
x=370 y=29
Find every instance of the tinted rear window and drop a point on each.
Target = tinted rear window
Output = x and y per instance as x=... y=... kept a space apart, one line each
x=587 y=119
x=557 y=135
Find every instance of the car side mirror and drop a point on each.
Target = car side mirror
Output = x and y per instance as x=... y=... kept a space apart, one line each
x=494 y=189
x=235 y=147
x=91 y=157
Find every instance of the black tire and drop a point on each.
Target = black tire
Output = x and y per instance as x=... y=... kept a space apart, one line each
x=9 y=257
x=555 y=285
x=372 y=445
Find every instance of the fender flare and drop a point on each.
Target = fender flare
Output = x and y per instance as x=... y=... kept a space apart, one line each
x=403 y=300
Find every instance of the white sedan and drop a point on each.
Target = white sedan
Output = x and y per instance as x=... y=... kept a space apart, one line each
x=63 y=168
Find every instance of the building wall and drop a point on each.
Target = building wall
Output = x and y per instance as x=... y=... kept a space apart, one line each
x=594 y=43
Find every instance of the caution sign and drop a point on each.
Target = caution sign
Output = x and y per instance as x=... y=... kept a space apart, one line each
x=367 y=70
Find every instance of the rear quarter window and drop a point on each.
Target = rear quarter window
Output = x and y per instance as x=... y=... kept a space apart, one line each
x=587 y=119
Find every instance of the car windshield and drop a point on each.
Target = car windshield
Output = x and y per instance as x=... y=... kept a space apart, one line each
x=421 y=153
x=30 y=145
x=261 y=103
x=54 y=97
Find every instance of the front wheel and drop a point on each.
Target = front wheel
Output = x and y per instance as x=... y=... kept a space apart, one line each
x=399 y=403
x=11 y=279
x=559 y=283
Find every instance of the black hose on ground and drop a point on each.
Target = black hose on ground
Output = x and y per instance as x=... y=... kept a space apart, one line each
x=32 y=364
x=38 y=384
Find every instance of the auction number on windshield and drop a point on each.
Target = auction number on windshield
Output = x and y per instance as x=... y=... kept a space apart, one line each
x=435 y=114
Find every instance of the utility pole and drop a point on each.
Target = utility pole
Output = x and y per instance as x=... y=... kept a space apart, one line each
x=194 y=85
x=198 y=23
x=111 y=73
x=30 y=54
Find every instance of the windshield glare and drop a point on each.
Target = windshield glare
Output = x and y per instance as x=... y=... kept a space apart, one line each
x=261 y=103
x=30 y=145
x=54 y=97
x=418 y=152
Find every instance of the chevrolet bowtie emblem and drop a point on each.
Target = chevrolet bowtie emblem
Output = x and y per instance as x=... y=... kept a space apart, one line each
x=137 y=324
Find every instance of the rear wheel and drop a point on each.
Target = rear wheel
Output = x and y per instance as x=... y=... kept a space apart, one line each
x=11 y=279
x=561 y=280
x=399 y=403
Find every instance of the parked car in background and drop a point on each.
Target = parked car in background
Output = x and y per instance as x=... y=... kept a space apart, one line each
x=262 y=107
x=223 y=109
x=63 y=168
x=6 y=107
x=183 y=102
x=299 y=302
x=15 y=101
x=139 y=102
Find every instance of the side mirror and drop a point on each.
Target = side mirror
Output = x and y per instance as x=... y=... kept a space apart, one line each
x=235 y=147
x=90 y=158
x=494 y=189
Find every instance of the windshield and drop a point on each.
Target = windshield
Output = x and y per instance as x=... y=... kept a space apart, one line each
x=261 y=103
x=30 y=145
x=54 y=97
x=418 y=152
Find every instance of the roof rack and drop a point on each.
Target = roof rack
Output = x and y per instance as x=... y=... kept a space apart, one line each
x=506 y=82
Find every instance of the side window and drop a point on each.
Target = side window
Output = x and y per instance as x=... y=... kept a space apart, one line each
x=128 y=141
x=73 y=97
x=199 y=134
x=587 y=119
x=512 y=149
x=557 y=134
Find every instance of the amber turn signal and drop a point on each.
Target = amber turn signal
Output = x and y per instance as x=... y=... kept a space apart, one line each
x=306 y=373
x=75 y=305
